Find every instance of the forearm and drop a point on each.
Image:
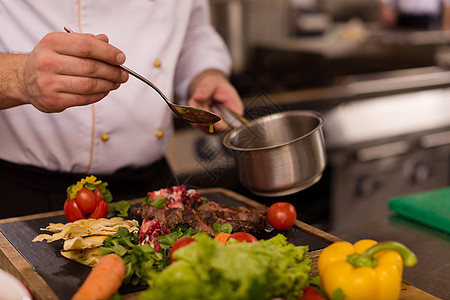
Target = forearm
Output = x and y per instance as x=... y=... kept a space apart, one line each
x=11 y=93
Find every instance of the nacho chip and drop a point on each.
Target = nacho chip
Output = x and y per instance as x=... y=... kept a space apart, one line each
x=86 y=227
x=81 y=243
x=87 y=257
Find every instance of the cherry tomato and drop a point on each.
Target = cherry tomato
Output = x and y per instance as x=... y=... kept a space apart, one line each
x=281 y=215
x=310 y=293
x=243 y=237
x=86 y=200
x=71 y=211
x=87 y=204
x=178 y=244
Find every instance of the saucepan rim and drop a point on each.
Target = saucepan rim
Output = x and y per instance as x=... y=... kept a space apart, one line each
x=318 y=116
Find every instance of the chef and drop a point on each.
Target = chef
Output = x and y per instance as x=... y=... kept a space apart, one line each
x=67 y=110
x=416 y=14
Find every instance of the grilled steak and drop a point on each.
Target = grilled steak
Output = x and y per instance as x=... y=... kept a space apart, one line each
x=242 y=218
x=170 y=218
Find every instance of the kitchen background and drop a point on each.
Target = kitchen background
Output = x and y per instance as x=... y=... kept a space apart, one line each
x=384 y=93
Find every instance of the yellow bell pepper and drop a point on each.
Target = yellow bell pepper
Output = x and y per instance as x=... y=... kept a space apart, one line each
x=365 y=270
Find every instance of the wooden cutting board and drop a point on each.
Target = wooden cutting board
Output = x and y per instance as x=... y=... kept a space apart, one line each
x=50 y=276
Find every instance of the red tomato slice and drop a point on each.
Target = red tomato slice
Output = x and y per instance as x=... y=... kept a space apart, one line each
x=178 y=244
x=101 y=211
x=98 y=195
x=281 y=215
x=243 y=237
x=71 y=211
x=86 y=200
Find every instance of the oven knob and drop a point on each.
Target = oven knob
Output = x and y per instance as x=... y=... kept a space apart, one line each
x=365 y=186
x=421 y=173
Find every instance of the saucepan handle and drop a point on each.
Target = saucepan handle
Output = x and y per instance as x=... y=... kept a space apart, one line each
x=233 y=119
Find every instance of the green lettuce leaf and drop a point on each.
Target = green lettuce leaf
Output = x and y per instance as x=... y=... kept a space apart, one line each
x=209 y=270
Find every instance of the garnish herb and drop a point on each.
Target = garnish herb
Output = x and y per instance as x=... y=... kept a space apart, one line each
x=159 y=202
x=140 y=260
x=225 y=227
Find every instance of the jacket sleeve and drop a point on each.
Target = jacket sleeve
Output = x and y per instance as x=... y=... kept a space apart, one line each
x=203 y=48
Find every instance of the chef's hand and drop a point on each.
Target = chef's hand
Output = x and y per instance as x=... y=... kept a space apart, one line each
x=211 y=88
x=65 y=70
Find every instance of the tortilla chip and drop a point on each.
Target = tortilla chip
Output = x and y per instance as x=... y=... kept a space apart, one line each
x=54 y=227
x=80 y=243
x=87 y=257
x=86 y=227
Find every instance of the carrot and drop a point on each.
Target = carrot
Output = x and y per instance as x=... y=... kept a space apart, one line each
x=222 y=237
x=104 y=279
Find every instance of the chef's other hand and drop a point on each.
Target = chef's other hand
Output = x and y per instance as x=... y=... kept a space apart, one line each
x=211 y=88
x=66 y=70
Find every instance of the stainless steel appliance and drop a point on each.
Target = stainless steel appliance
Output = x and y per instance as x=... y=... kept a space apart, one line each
x=387 y=145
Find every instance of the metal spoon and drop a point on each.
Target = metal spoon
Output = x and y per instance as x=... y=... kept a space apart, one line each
x=188 y=113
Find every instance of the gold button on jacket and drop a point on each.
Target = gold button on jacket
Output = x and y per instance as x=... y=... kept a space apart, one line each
x=104 y=137
x=159 y=134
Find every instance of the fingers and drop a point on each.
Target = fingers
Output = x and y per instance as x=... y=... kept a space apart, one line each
x=216 y=92
x=209 y=93
x=83 y=85
x=55 y=94
x=66 y=70
x=61 y=101
x=74 y=66
x=81 y=55
x=102 y=37
x=83 y=45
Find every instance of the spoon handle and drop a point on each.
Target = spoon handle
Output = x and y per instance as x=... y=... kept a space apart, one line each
x=140 y=77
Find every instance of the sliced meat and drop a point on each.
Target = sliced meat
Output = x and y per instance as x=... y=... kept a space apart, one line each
x=242 y=218
x=170 y=218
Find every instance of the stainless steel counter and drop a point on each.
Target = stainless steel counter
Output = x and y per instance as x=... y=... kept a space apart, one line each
x=432 y=248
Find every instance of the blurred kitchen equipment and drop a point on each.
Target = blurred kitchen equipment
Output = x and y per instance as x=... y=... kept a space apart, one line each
x=11 y=288
x=278 y=154
x=188 y=113
x=391 y=139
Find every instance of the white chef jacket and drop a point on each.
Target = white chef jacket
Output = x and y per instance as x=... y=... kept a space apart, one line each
x=167 y=41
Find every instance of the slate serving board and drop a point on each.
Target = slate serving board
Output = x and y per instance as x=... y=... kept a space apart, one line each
x=65 y=276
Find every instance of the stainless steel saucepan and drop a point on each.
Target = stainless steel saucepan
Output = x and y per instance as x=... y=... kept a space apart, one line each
x=278 y=154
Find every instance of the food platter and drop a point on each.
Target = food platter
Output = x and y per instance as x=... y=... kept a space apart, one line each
x=64 y=276
x=51 y=276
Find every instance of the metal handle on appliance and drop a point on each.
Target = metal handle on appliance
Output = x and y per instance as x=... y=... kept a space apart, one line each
x=383 y=151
